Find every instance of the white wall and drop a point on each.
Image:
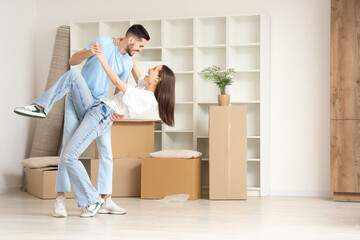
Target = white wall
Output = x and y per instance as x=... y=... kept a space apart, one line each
x=300 y=43
x=17 y=68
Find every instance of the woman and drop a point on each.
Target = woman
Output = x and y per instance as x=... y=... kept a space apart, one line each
x=154 y=96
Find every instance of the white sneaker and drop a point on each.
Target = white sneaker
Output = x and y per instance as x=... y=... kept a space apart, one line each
x=31 y=110
x=93 y=209
x=110 y=207
x=59 y=209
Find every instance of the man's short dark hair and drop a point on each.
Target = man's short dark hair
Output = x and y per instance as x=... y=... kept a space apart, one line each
x=138 y=31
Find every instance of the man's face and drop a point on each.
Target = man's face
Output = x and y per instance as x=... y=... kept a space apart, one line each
x=135 y=45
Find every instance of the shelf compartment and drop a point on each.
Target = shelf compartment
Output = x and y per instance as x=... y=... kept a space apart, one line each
x=206 y=90
x=158 y=126
x=244 y=29
x=179 y=60
x=154 y=29
x=203 y=119
x=178 y=141
x=253 y=174
x=83 y=33
x=205 y=174
x=157 y=141
x=151 y=54
x=183 y=118
x=244 y=58
x=253 y=148
x=207 y=57
x=114 y=28
x=253 y=118
x=184 y=88
x=211 y=31
x=179 y=32
x=246 y=87
x=203 y=147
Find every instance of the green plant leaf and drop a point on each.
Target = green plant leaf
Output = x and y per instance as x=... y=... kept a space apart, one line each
x=222 y=78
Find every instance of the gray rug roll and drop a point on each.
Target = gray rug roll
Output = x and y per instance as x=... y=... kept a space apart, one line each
x=48 y=132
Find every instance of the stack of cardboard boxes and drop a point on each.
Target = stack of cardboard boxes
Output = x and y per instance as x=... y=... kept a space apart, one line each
x=130 y=141
x=136 y=174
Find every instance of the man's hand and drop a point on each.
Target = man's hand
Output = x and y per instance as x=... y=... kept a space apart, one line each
x=96 y=48
x=117 y=40
x=116 y=117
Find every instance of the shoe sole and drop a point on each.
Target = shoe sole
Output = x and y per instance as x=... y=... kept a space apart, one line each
x=59 y=215
x=102 y=211
x=26 y=114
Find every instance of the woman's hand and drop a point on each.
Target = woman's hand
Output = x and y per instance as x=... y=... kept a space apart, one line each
x=116 y=117
x=96 y=48
x=117 y=40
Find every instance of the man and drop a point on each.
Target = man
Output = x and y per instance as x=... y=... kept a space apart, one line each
x=119 y=59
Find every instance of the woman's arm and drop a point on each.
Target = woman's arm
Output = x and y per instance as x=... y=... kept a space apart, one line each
x=135 y=71
x=122 y=86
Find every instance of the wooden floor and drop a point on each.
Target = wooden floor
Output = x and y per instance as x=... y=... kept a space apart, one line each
x=26 y=217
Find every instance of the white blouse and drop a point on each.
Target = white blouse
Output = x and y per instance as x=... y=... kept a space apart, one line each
x=135 y=103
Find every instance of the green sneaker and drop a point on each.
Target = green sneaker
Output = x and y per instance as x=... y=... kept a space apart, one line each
x=93 y=209
x=31 y=110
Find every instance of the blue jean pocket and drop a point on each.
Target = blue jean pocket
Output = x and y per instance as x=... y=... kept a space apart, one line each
x=104 y=109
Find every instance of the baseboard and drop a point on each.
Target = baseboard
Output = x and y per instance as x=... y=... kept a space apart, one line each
x=301 y=193
x=15 y=189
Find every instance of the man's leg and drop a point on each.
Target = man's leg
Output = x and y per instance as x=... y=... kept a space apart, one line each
x=105 y=174
x=71 y=123
x=105 y=163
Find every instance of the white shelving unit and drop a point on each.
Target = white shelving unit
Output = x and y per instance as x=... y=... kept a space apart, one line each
x=188 y=45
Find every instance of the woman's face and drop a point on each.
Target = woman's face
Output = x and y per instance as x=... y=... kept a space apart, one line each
x=154 y=74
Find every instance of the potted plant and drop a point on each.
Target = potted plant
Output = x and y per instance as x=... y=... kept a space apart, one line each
x=222 y=78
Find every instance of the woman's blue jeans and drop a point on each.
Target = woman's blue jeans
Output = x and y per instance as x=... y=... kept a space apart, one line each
x=95 y=120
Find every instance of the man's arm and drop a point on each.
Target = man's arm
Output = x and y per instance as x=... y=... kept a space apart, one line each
x=80 y=56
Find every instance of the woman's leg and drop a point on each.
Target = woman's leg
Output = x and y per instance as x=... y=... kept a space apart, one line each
x=72 y=81
x=95 y=122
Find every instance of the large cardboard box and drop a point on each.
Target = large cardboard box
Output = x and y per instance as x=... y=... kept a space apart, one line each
x=126 y=176
x=161 y=177
x=41 y=182
x=227 y=152
x=131 y=139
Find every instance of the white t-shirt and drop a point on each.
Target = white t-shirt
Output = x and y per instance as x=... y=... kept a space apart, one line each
x=135 y=103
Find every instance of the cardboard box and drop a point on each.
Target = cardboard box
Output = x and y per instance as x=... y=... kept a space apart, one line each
x=126 y=176
x=161 y=177
x=131 y=139
x=227 y=152
x=41 y=182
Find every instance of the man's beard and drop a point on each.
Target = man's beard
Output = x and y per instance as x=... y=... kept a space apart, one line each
x=129 y=51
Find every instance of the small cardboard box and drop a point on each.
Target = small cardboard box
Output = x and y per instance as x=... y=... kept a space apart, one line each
x=126 y=176
x=41 y=182
x=227 y=152
x=161 y=177
x=131 y=139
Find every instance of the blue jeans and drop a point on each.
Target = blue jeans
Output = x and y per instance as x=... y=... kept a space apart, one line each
x=105 y=172
x=95 y=121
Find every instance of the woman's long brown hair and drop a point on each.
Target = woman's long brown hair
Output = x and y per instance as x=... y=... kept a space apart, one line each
x=165 y=95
